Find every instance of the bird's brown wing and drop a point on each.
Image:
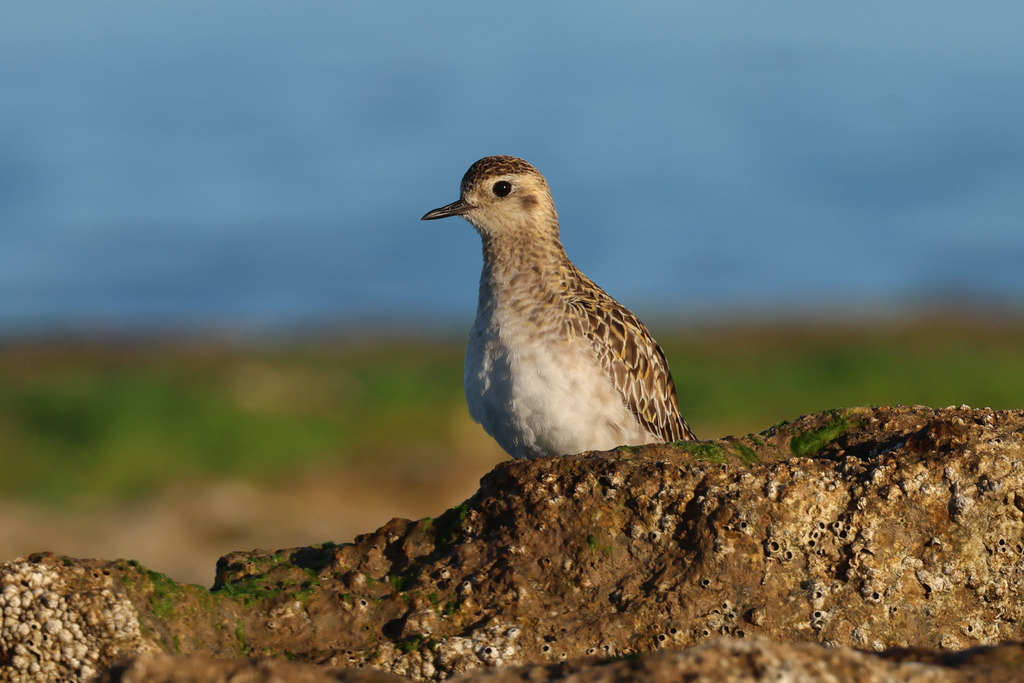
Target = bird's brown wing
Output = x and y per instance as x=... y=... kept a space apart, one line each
x=631 y=357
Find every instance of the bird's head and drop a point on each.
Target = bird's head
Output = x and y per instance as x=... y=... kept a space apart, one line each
x=503 y=196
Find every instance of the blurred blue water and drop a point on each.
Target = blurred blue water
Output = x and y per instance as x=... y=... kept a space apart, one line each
x=264 y=165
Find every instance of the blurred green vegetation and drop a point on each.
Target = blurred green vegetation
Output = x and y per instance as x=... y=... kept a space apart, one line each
x=91 y=421
x=737 y=380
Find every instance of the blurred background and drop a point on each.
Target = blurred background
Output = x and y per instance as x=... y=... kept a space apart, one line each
x=223 y=326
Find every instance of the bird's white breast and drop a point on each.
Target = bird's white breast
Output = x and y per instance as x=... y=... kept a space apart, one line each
x=537 y=393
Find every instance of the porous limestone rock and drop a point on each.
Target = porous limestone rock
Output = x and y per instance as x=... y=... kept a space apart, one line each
x=721 y=659
x=62 y=621
x=728 y=660
x=202 y=668
x=871 y=528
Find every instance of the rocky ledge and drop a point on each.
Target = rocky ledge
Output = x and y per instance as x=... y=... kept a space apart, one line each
x=872 y=543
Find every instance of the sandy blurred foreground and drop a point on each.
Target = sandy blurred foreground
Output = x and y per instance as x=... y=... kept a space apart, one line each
x=182 y=530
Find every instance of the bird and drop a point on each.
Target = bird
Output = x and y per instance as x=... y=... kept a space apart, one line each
x=554 y=365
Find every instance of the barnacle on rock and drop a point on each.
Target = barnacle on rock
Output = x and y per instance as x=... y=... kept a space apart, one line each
x=50 y=631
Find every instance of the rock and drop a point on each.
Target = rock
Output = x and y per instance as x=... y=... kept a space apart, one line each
x=728 y=660
x=63 y=620
x=721 y=659
x=195 y=668
x=870 y=528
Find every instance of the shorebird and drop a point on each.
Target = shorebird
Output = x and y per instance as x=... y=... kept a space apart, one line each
x=554 y=365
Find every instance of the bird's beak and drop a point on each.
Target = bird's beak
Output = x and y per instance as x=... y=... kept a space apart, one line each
x=457 y=208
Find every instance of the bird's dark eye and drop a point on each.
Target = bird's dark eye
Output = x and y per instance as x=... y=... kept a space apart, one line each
x=502 y=188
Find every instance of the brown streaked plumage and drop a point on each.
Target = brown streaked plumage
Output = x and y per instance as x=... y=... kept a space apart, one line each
x=554 y=364
x=628 y=352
